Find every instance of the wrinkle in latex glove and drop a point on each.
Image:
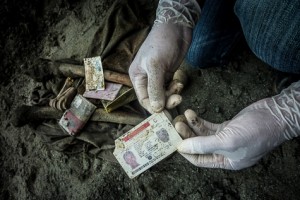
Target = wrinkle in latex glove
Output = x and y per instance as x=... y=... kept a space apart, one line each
x=287 y=106
x=184 y=12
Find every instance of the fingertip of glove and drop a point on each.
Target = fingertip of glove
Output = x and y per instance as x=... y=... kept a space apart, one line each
x=157 y=106
x=189 y=113
x=183 y=147
x=179 y=126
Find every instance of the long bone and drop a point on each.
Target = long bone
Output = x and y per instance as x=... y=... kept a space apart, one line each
x=26 y=114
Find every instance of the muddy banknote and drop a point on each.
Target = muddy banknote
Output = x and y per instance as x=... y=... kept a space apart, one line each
x=94 y=77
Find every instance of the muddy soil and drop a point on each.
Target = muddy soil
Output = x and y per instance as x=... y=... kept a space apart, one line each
x=30 y=170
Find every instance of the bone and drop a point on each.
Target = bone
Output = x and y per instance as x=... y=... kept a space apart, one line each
x=64 y=99
x=71 y=70
x=120 y=117
x=117 y=77
x=26 y=114
x=75 y=71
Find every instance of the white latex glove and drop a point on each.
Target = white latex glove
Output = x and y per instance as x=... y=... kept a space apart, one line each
x=242 y=141
x=163 y=51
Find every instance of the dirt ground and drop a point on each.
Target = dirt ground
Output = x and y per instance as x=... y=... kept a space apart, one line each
x=30 y=170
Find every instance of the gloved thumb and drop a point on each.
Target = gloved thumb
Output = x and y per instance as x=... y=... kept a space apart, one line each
x=200 y=145
x=200 y=152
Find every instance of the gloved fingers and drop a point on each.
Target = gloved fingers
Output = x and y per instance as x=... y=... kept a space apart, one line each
x=168 y=115
x=208 y=160
x=173 y=98
x=201 y=145
x=175 y=87
x=184 y=130
x=179 y=118
x=140 y=83
x=173 y=101
x=177 y=84
x=200 y=126
x=146 y=104
x=156 y=91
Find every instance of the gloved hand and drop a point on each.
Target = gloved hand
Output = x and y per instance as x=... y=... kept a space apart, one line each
x=163 y=51
x=242 y=141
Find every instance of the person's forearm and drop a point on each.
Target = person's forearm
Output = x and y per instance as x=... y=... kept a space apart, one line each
x=184 y=12
x=286 y=106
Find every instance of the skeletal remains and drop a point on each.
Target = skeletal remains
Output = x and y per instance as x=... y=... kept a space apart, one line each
x=25 y=114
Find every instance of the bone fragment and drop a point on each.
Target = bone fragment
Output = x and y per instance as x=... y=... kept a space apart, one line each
x=26 y=114
x=75 y=71
x=116 y=116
